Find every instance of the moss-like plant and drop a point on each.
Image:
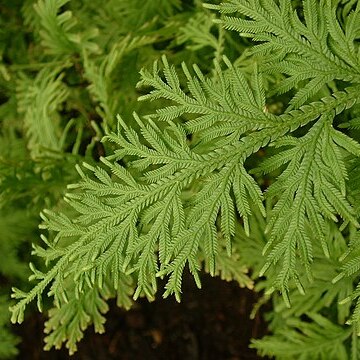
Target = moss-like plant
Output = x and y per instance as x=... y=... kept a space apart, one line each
x=248 y=160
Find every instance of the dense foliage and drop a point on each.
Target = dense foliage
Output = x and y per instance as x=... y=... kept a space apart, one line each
x=245 y=164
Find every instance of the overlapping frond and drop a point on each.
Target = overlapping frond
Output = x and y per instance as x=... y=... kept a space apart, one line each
x=310 y=190
x=317 y=338
x=58 y=29
x=314 y=47
x=68 y=321
x=198 y=34
x=101 y=78
x=112 y=208
x=222 y=106
x=39 y=100
x=175 y=187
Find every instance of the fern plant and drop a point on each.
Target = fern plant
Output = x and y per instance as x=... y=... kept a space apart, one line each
x=60 y=84
x=249 y=163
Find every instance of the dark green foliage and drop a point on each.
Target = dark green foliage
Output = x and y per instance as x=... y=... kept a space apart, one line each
x=248 y=160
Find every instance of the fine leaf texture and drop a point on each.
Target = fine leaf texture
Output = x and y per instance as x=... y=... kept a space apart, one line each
x=223 y=153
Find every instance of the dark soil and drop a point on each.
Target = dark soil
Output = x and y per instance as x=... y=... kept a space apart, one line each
x=211 y=323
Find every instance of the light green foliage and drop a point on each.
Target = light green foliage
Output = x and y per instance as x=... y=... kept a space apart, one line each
x=310 y=190
x=316 y=50
x=68 y=320
x=248 y=160
x=61 y=84
x=39 y=100
x=319 y=339
x=315 y=326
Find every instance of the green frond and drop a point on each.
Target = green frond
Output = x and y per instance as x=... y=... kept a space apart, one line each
x=88 y=242
x=321 y=293
x=198 y=34
x=317 y=338
x=311 y=189
x=301 y=44
x=68 y=323
x=39 y=100
x=218 y=172
x=231 y=268
x=210 y=100
x=101 y=75
x=57 y=29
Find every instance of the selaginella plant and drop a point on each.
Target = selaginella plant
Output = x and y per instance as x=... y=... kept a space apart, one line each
x=61 y=82
x=250 y=161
